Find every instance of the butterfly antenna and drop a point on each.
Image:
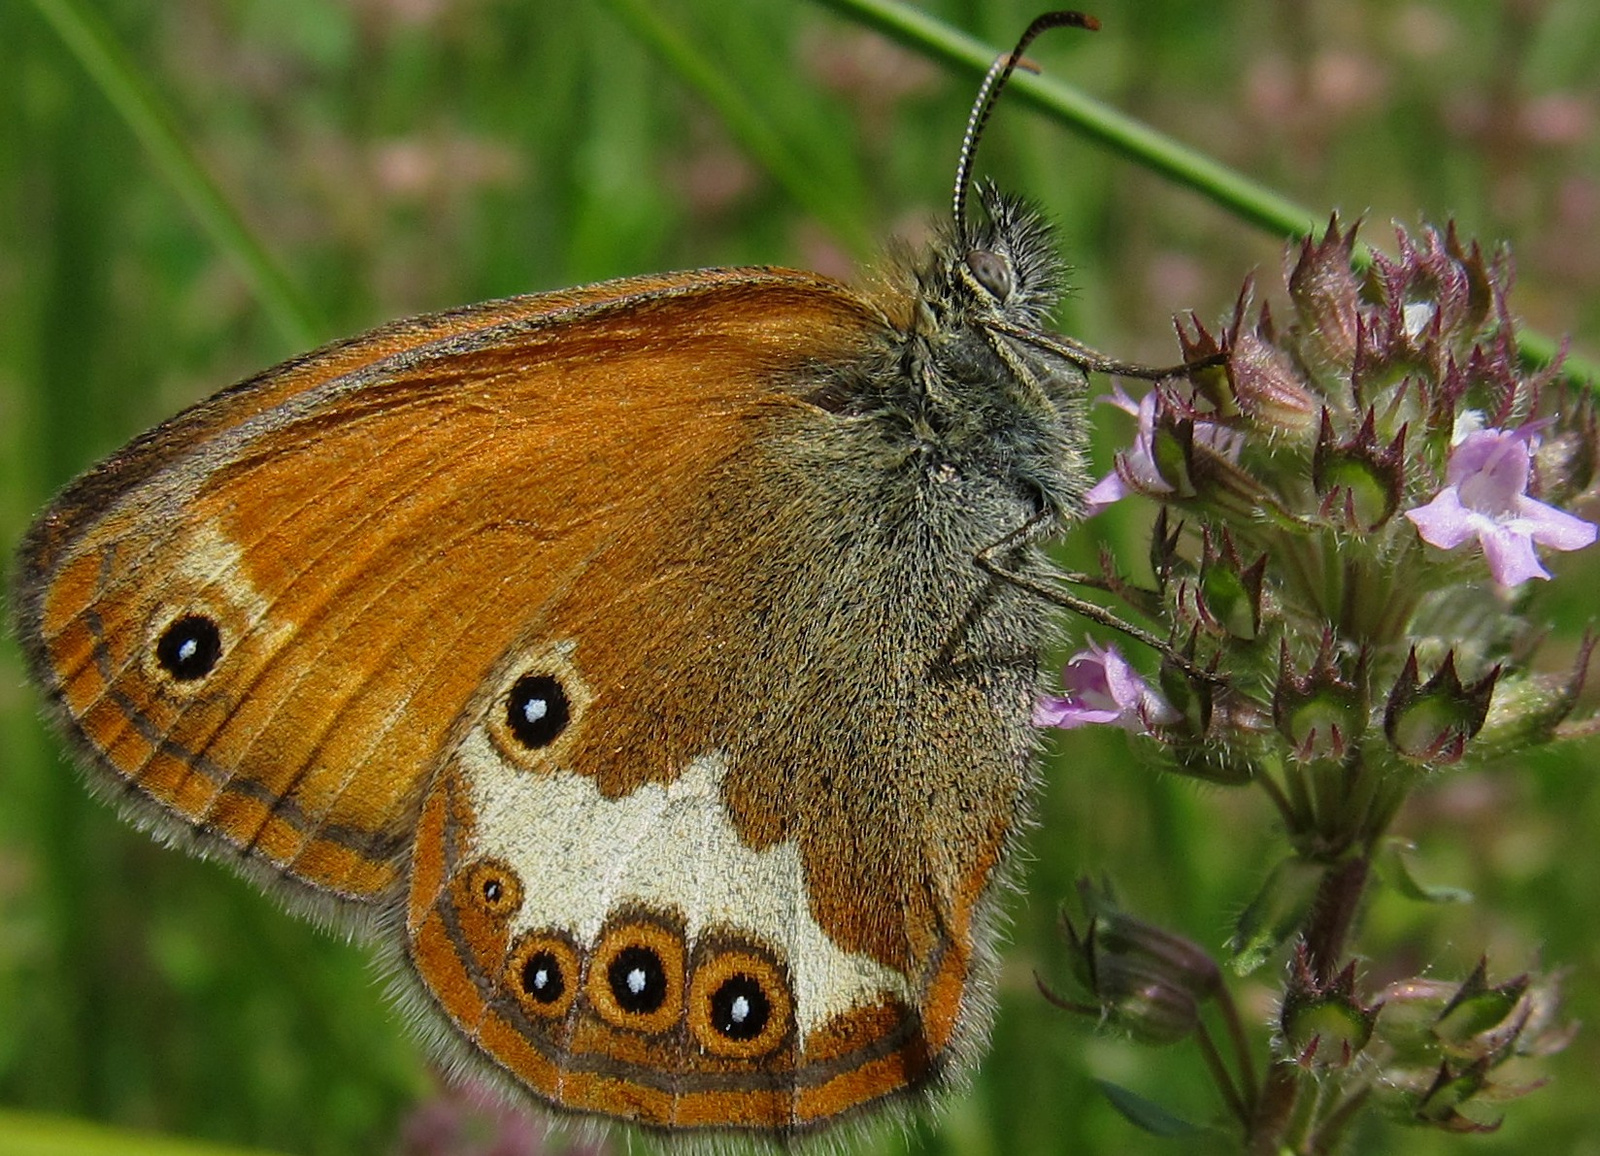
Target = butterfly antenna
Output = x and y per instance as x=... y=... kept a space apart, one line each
x=994 y=82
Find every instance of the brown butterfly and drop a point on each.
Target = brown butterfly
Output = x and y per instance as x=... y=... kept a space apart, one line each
x=648 y=665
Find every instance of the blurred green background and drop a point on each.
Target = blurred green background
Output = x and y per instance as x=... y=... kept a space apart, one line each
x=398 y=156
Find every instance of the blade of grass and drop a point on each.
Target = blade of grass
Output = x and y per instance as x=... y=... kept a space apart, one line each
x=1245 y=198
x=1236 y=193
x=764 y=144
x=92 y=43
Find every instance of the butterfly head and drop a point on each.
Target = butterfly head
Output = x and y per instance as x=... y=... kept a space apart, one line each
x=982 y=367
x=1002 y=272
x=1006 y=266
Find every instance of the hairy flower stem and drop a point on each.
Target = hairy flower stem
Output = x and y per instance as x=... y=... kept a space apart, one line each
x=1325 y=1138
x=1332 y=917
x=1274 y=1110
x=1241 y=1046
x=1333 y=913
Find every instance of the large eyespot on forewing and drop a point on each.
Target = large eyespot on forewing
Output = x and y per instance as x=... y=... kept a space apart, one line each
x=536 y=713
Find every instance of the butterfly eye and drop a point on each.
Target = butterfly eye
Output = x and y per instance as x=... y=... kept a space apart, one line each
x=190 y=648
x=636 y=977
x=992 y=271
x=542 y=973
x=537 y=710
x=740 y=1006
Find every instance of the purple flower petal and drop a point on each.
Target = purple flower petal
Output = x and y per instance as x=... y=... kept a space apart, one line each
x=1102 y=688
x=1554 y=528
x=1486 y=500
x=1444 y=522
x=1510 y=556
x=1103 y=493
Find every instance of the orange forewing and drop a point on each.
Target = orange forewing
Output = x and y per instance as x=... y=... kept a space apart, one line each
x=374 y=524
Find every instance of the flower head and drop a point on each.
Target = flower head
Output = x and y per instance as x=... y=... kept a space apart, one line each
x=1486 y=500
x=1300 y=615
x=1102 y=688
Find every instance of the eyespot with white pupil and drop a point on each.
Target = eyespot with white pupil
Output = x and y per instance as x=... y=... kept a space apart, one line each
x=741 y=1001
x=634 y=977
x=190 y=648
x=740 y=1009
x=638 y=980
x=537 y=710
x=542 y=978
x=992 y=271
x=541 y=974
x=491 y=886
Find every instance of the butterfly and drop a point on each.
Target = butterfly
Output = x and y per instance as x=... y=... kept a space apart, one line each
x=647 y=666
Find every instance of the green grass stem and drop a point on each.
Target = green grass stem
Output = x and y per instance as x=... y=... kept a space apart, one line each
x=93 y=44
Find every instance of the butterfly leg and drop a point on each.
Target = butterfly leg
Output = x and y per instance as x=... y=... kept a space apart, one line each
x=1042 y=525
x=1093 y=361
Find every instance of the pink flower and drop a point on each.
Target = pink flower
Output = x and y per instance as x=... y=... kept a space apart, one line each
x=1102 y=688
x=1136 y=471
x=1486 y=499
x=1136 y=465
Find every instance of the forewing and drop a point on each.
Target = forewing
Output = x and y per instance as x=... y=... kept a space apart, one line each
x=370 y=528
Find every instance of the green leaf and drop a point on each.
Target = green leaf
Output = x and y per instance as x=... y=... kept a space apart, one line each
x=1276 y=913
x=1147 y=1115
x=1397 y=873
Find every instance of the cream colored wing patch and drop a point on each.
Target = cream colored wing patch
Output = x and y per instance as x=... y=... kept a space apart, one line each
x=667 y=849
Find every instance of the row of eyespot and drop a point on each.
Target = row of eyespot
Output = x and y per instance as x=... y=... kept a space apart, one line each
x=738 y=1003
x=736 y=1000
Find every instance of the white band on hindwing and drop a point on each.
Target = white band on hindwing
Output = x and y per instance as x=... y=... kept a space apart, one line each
x=581 y=856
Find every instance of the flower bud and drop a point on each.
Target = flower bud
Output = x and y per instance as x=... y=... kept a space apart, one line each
x=1320 y=713
x=1527 y=708
x=1360 y=482
x=1324 y=1023
x=1230 y=591
x=1145 y=979
x=1448 y=1042
x=1326 y=295
x=1565 y=462
x=1474 y=1022
x=1267 y=386
x=1452 y=1087
x=1432 y=722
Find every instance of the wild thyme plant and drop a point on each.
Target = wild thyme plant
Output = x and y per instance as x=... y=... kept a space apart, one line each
x=1352 y=509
